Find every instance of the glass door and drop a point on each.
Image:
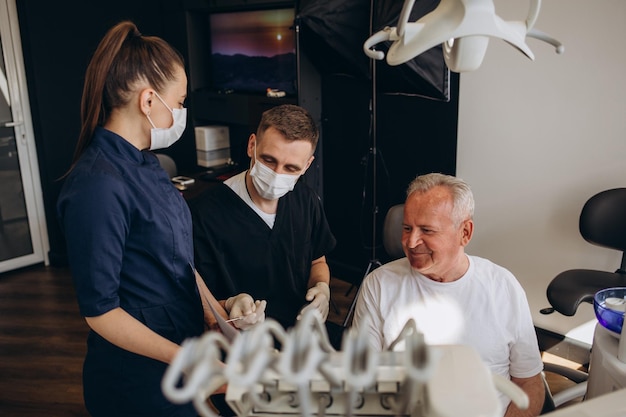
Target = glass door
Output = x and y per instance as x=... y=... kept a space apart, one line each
x=23 y=233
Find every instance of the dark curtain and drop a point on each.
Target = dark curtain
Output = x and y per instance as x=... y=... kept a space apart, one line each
x=425 y=75
x=333 y=32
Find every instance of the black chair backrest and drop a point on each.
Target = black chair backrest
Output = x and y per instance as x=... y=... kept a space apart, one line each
x=603 y=221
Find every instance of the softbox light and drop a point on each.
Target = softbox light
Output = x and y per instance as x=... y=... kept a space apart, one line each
x=333 y=33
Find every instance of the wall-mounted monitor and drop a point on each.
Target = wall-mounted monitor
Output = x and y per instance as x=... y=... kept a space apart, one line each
x=253 y=50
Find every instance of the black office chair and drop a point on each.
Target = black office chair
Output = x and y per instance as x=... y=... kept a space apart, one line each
x=602 y=223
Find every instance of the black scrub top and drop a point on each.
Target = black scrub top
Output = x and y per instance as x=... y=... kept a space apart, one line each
x=236 y=251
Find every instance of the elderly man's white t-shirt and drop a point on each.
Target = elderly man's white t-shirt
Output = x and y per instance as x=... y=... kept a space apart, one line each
x=486 y=309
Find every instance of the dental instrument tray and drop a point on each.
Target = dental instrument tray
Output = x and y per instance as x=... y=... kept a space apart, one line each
x=308 y=378
x=609 y=305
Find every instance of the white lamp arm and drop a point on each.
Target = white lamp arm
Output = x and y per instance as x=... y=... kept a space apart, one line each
x=375 y=39
x=533 y=14
x=542 y=36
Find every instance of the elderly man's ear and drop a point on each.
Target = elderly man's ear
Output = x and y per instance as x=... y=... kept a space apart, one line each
x=467 y=230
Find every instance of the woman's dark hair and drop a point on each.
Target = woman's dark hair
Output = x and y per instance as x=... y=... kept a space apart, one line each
x=123 y=59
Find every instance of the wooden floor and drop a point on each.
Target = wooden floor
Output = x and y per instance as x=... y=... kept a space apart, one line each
x=42 y=343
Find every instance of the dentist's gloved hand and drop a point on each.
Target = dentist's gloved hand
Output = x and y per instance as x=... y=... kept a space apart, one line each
x=244 y=307
x=319 y=297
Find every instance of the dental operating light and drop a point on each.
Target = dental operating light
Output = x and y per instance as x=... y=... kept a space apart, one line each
x=463 y=27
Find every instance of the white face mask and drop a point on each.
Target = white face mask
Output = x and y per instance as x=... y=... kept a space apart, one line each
x=269 y=184
x=165 y=137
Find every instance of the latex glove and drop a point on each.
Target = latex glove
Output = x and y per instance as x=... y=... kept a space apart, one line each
x=247 y=311
x=319 y=297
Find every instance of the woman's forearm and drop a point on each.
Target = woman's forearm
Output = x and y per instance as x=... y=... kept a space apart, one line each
x=128 y=333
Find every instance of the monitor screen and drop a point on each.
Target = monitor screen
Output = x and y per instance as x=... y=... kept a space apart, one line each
x=252 y=51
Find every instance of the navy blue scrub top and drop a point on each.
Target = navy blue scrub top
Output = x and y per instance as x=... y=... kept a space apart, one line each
x=129 y=243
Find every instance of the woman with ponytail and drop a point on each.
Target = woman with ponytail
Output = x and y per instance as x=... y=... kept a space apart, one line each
x=128 y=230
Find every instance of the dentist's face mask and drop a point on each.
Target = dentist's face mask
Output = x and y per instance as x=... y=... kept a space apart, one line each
x=269 y=184
x=166 y=137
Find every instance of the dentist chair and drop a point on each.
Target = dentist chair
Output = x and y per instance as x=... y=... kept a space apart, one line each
x=392 y=232
x=602 y=223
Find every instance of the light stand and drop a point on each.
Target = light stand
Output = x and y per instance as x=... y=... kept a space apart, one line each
x=373 y=262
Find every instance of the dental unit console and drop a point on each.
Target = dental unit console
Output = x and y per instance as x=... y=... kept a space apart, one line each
x=463 y=27
x=308 y=377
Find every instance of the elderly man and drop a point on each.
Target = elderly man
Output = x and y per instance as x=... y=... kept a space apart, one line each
x=454 y=298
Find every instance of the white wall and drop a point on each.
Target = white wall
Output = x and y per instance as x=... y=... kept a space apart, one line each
x=538 y=138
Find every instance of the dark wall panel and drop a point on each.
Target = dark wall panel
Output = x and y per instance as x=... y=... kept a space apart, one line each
x=346 y=125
